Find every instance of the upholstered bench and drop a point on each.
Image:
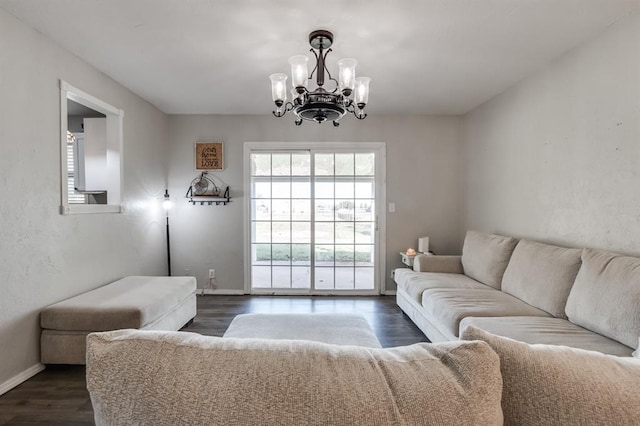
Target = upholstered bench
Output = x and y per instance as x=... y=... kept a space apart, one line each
x=146 y=303
x=337 y=329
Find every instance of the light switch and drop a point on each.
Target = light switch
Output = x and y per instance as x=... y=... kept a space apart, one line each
x=392 y=207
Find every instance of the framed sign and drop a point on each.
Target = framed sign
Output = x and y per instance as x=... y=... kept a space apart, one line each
x=209 y=156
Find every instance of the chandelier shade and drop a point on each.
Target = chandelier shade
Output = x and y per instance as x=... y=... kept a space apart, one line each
x=348 y=94
x=279 y=88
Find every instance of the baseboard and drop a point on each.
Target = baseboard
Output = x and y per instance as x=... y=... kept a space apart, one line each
x=389 y=293
x=220 y=292
x=20 y=378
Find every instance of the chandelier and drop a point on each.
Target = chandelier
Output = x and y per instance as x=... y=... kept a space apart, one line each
x=350 y=94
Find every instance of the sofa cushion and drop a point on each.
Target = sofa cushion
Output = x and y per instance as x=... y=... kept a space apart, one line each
x=415 y=283
x=168 y=378
x=132 y=302
x=542 y=275
x=606 y=296
x=485 y=257
x=557 y=385
x=547 y=331
x=450 y=306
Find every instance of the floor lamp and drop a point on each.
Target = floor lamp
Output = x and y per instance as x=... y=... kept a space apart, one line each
x=167 y=204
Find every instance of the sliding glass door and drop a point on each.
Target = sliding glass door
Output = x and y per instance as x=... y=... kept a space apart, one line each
x=313 y=221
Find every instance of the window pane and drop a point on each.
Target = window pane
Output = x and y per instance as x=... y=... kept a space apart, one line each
x=344 y=255
x=281 y=188
x=281 y=164
x=324 y=188
x=301 y=188
x=281 y=232
x=281 y=254
x=324 y=255
x=261 y=232
x=364 y=232
x=365 y=164
x=344 y=164
x=324 y=232
x=345 y=278
x=301 y=254
x=364 y=279
x=344 y=189
x=301 y=232
x=261 y=189
x=301 y=277
x=301 y=210
x=281 y=277
x=344 y=232
x=364 y=189
x=364 y=255
x=324 y=278
x=260 y=164
x=324 y=210
x=344 y=210
x=281 y=209
x=301 y=164
x=261 y=276
x=261 y=254
x=261 y=209
x=324 y=164
x=365 y=211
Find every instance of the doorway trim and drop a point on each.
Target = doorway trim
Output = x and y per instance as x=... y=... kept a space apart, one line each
x=381 y=160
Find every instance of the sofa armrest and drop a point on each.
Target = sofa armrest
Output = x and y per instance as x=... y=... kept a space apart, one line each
x=446 y=264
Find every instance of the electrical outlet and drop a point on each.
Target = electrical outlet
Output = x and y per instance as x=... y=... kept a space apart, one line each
x=393 y=273
x=212 y=273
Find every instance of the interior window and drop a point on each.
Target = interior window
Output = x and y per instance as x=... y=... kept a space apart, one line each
x=91 y=144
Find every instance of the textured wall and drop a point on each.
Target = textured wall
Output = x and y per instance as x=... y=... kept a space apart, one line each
x=557 y=157
x=423 y=158
x=47 y=257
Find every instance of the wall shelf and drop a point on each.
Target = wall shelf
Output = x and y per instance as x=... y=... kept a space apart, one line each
x=210 y=199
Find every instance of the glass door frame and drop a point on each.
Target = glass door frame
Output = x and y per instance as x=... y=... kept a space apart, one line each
x=379 y=148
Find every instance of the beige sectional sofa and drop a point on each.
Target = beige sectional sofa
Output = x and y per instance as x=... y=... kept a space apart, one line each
x=527 y=291
x=168 y=378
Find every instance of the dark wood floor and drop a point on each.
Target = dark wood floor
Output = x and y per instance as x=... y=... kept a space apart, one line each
x=58 y=395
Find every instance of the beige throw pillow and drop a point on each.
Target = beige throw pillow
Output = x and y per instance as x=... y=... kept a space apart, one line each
x=558 y=385
x=170 y=378
x=605 y=297
x=542 y=275
x=485 y=257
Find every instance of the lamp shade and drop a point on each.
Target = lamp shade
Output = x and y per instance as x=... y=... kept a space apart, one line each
x=362 y=91
x=299 y=70
x=279 y=87
x=423 y=244
x=167 y=204
x=347 y=75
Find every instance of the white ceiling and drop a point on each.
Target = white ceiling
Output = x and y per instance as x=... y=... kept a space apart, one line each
x=215 y=56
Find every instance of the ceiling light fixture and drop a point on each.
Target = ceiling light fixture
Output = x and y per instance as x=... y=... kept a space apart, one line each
x=351 y=94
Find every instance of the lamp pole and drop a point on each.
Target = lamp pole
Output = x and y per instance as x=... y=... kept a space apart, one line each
x=167 y=204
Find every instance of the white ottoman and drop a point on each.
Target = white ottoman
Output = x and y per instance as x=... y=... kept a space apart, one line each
x=337 y=329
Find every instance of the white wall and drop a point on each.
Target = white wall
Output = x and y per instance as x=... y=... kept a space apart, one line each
x=47 y=257
x=557 y=157
x=423 y=159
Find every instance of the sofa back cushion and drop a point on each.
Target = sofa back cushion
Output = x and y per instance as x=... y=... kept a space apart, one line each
x=558 y=385
x=542 y=275
x=485 y=257
x=168 y=378
x=605 y=297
